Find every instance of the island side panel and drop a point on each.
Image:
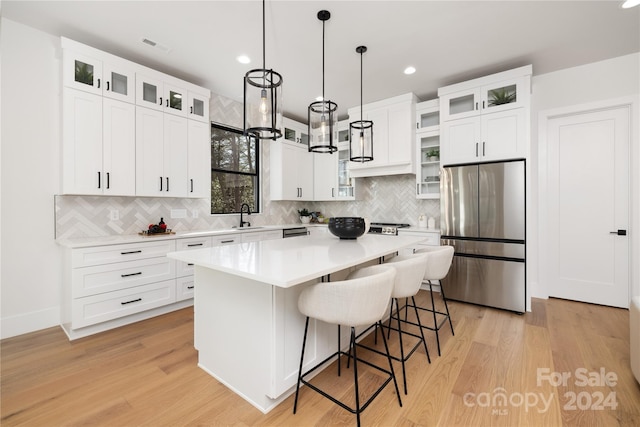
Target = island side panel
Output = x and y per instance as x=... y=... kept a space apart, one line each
x=233 y=330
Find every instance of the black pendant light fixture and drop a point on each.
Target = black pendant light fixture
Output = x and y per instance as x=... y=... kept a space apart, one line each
x=263 y=98
x=322 y=116
x=361 y=131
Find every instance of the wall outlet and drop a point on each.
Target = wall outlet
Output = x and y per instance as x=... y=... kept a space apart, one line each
x=114 y=215
x=194 y=213
x=178 y=213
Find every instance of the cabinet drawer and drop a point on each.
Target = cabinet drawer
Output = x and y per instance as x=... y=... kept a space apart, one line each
x=85 y=257
x=112 y=277
x=183 y=268
x=100 y=308
x=184 y=288
x=226 y=240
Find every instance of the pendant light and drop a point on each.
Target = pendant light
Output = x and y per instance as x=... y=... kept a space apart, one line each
x=361 y=131
x=322 y=117
x=262 y=98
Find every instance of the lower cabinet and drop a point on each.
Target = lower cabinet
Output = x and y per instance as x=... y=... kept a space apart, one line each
x=112 y=285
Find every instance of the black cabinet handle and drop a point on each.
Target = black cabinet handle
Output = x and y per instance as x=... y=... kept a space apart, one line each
x=483 y=107
x=98 y=179
x=160 y=100
x=131 y=274
x=476 y=105
x=167 y=183
x=191 y=245
x=482 y=148
x=227 y=241
x=476 y=149
x=190 y=264
x=98 y=83
x=191 y=110
x=191 y=184
x=190 y=287
x=160 y=183
x=107 y=86
x=129 y=302
x=107 y=180
x=167 y=102
x=130 y=252
x=619 y=232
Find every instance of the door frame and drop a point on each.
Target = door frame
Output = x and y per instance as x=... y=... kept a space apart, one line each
x=631 y=102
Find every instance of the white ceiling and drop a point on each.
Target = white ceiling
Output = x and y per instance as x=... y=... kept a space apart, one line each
x=446 y=41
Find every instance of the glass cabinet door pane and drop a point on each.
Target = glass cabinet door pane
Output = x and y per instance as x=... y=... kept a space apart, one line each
x=304 y=138
x=83 y=73
x=501 y=96
x=289 y=134
x=119 y=83
x=198 y=107
x=343 y=135
x=462 y=104
x=149 y=92
x=175 y=100
x=429 y=119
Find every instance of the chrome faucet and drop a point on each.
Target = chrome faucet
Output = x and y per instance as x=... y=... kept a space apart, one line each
x=242 y=221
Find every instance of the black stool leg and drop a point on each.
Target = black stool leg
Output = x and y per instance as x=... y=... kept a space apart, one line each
x=355 y=373
x=435 y=320
x=426 y=350
x=393 y=374
x=304 y=342
x=446 y=307
x=402 y=359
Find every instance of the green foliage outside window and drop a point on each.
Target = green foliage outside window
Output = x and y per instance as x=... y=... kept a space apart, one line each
x=234 y=171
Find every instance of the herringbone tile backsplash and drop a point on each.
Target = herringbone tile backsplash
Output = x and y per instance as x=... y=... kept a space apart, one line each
x=384 y=199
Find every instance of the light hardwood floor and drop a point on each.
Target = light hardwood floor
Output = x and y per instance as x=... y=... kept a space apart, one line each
x=146 y=375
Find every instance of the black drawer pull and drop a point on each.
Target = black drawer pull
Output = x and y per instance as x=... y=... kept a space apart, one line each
x=190 y=264
x=227 y=241
x=133 y=300
x=195 y=244
x=190 y=287
x=130 y=252
x=131 y=274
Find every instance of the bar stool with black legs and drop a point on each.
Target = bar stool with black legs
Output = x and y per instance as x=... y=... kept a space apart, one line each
x=438 y=265
x=354 y=302
x=410 y=270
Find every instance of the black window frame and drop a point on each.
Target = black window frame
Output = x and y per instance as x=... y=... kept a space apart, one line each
x=257 y=190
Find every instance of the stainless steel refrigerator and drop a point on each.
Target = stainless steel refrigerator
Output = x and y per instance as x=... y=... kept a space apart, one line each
x=483 y=218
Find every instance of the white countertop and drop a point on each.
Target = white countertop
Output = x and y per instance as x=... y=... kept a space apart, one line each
x=288 y=262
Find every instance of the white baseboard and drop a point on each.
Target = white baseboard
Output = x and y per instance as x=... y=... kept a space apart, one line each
x=29 y=322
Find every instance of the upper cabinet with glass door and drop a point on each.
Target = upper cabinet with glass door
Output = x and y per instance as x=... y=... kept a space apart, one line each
x=153 y=90
x=92 y=71
x=498 y=92
x=295 y=131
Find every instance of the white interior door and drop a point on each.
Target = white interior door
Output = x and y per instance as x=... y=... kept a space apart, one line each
x=587 y=206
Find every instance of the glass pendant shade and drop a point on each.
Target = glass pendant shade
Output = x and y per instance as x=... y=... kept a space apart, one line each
x=361 y=141
x=361 y=131
x=323 y=130
x=322 y=117
x=262 y=106
x=263 y=98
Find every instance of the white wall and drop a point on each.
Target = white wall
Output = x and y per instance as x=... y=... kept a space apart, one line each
x=31 y=274
x=599 y=81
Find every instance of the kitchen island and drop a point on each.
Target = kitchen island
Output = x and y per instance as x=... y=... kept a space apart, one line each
x=247 y=328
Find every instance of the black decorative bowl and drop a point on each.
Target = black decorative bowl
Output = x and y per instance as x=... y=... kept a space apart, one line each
x=347 y=227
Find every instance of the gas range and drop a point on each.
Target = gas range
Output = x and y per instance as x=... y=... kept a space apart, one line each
x=386 y=228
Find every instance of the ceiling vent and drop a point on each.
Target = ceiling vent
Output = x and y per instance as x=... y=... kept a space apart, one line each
x=156 y=45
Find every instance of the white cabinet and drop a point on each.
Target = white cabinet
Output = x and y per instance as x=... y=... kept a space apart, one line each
x=103 y=284
x=199 y=159
x=185 y=283
x=198 y=106
x=486 y=119
x=496 y=136
x=428 y=150
x=161 y=154
x=393 y=136
x=291 y=171
x=431 y=238
x=154 y=91
x=294 y=131
x=92 y=71
x=98 y=145
x=331 y=175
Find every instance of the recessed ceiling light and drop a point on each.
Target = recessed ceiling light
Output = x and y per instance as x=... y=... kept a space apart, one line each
x=243 y=59
x=630 y=3
x=409 y=70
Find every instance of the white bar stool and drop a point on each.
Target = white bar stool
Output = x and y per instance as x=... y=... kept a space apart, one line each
x=438 y=264
x=352 y=302
x=410 y=270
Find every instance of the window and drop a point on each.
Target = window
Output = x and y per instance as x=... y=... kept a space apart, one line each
x=234 y=170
